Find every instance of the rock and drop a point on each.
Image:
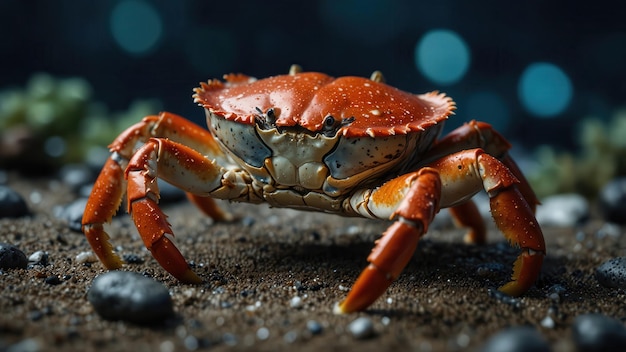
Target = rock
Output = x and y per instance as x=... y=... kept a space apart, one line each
x=72 y=213
x=314 y=327
x=613 y=201
x=76 y=176
x=39 y=258
x=361 y=328
x=563 y=210
x=597 y=332
x=12 y=257
x=121 y=295
x=612 y=273
x=12 y=205
x=517 y=339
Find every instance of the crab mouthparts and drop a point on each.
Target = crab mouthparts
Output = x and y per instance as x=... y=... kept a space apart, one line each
x=330 y=125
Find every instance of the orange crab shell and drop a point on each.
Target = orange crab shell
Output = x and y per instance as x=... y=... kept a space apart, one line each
x=305 y=99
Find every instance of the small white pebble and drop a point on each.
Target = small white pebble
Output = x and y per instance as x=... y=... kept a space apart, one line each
x=167 y=346
x=219 y=321
x=86 y=257
x=385 y=320
x=343 y=288
x=548 y=322
x=35 y=197
x=295 y=302
x=361 y=328
x=291 y=336
x=463 y=340
x=36 y=257
x=263 y=333
x=389 y=300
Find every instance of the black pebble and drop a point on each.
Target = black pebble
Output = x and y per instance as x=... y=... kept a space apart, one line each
x=517 y=339
x=121 y=295
x=613 y=201
x=612 y=273
x=12 y=257
x=132 y=259
x=597 y=332
x=12 y=205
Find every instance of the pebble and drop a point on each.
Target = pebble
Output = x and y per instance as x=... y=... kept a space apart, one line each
x=597 y=332
x=517 y=339
x=86 y=257
x=361 y=328
x=76 y=176
x=72 y=213
x=314 y=327
x=38 y=258
x=12 y=257
x=296 y=302
x=612 y=273
x=563 y=210
x=121 y=295
x=12 y=204
x=613 y=201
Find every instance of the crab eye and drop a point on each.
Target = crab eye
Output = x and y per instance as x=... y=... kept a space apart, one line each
x=271 y=114
x=329 y=121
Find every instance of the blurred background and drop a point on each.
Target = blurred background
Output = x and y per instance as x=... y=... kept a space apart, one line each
x=550 y=75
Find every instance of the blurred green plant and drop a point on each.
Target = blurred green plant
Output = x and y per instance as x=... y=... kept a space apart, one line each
x=52 y=121
x=602 y=157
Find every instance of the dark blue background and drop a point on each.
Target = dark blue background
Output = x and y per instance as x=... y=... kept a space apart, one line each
x=205 y=39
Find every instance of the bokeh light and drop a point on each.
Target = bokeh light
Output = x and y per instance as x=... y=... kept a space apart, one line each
x=136 y=26
x=489 y=107
x=442 y=56
x=544 y=89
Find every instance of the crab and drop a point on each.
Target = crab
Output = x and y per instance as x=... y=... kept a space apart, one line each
x=350 y=146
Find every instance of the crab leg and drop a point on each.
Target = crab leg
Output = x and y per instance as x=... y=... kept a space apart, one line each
x=477 y=134
x=467 y=215
x=459 y=176
x=395 y=248
x=110 y=186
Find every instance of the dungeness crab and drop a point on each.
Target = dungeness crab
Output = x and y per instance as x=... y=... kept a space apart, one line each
x=350 y=146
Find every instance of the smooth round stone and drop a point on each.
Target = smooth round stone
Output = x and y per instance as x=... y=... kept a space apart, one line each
x=361 y=328
x=12 y=205
x=613 y=201
x=76 y=176
x=563 y=210
x=612 y=273
x=597 y=332
x=128 y=296
x=517 y=339
x=12 y=257
x=72 y=213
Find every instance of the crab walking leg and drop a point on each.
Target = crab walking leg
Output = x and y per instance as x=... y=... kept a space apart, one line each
x=110 y=186
x=510 y=210
x=103 y=203
x=183 y=167
x=477 y=134
x=467 y=215
x=395 y=248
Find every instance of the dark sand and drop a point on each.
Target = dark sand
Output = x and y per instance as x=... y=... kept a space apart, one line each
x=254 y=268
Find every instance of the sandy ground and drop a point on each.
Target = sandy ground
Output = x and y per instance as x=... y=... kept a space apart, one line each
x=254 y=267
